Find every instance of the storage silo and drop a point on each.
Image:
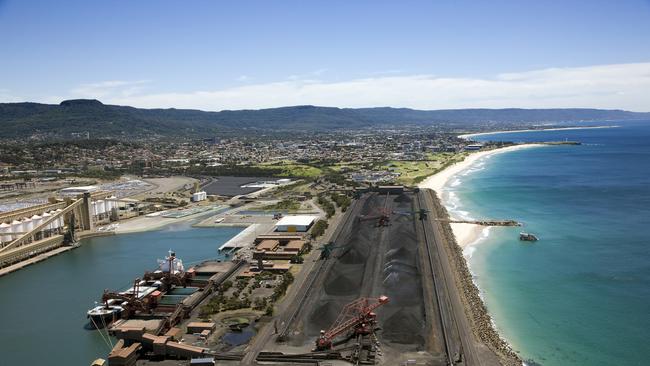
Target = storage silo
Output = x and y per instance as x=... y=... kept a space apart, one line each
x=93 y=208
x=59 y=222
x=48 y=227
x=101 y=209
x=16 y=227
x=4 y=230
x=37 y=220
x=28 y=225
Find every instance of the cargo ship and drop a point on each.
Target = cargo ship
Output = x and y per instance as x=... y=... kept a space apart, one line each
x=143 y=296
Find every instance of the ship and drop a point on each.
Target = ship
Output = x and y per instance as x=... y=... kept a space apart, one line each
x=142 y=296
x=102 y=315
x=527 y=237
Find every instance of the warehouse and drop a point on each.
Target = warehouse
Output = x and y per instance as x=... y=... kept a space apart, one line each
x=298 y=223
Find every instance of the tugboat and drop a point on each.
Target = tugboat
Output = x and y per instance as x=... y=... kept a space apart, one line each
x=102 y=315
x=527 y=237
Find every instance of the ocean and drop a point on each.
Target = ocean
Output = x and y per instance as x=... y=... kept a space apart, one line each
x=43 y=306
x=581 y=294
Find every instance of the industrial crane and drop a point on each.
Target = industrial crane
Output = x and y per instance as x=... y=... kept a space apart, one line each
x=422 y=213
x=382 y=215
x=357 y=316
x=326 y=249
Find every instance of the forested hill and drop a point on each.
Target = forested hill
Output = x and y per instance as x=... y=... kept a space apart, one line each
x=24 y=120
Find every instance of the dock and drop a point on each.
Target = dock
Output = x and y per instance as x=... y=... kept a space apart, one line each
x=483 y=222
x=244 y=238
x=36 y=259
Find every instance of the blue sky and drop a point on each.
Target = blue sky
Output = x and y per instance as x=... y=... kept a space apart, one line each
x=249 y=54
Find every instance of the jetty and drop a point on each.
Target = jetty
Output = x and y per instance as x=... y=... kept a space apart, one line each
x=561 y=142
x=483 y=222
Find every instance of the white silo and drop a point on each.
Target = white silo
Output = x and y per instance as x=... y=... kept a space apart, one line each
x=101 y=209
x=28 y=225
x=59 y=222
x=4 y=229
x=36 y=221
x=16 y=227
x=93 y=208
x=46 y=216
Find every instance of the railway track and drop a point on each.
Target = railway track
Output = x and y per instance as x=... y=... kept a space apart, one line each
x=322 y=267
x=450 y=333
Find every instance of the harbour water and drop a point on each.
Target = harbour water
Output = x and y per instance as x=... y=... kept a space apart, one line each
x=43 y=306
x=581 y=294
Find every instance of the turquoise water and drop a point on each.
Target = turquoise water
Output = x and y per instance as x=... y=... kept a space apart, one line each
x=580 y=295
x=43 y=307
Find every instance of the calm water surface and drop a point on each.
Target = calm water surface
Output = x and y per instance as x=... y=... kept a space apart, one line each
x=580 y=295
x=43 y=307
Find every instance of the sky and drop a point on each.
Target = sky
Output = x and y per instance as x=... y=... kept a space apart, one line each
x=437 y=54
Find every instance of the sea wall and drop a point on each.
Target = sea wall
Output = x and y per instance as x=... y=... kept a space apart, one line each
x=475 y=309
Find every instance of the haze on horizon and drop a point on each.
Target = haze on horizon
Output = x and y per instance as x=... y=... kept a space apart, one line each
x=258 y=54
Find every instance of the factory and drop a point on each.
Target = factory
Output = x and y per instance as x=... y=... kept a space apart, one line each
x=295 y=223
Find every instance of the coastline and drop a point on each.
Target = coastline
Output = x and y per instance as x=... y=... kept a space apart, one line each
x=466 y=234
x=470 y=135
x=459 y=239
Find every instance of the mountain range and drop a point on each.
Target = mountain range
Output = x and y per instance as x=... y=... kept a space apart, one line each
x=35 y=120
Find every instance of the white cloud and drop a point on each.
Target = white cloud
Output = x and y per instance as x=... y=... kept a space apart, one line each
x=618 y=86
x=6 y=96
x=110 y=89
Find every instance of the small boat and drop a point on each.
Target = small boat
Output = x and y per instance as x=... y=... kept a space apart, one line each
x=527 y=237
x=102 y=315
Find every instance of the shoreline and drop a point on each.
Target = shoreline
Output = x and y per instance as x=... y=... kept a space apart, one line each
x=461 y=238
x=467 y=136
x=466 y=234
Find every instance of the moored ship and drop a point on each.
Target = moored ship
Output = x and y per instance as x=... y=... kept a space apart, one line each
x=143 y=296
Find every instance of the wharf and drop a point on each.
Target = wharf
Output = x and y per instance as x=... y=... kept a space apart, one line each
x=36 y=259
x=483 y=222
x=246 y=237
x=561 y=143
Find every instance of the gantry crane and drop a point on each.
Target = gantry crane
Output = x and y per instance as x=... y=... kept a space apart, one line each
x=357 y=318
x=327 y=248
x=382 y=215
x=422 y=213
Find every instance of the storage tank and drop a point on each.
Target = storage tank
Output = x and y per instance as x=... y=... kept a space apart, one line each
x=59 y=222
x=93 y=208
x=27 y=224
x=107 y=208
x=36 y=221
x=46 y=216
x=4 y=229
x=100 y=207
x=16 y=227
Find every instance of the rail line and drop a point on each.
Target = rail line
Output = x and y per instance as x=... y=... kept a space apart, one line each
x=447 y=322
x=321 y=267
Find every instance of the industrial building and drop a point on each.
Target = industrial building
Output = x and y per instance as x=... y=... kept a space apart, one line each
x=295 y=223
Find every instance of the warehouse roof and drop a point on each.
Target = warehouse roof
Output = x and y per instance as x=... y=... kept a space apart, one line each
x=297 y=220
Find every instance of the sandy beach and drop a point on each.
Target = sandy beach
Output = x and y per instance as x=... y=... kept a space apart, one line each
x=465 y=234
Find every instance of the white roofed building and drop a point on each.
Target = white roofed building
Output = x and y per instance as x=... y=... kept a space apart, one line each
x=296 y=223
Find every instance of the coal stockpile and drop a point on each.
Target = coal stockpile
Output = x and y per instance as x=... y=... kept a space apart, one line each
x=371 y=261
x=402 y=319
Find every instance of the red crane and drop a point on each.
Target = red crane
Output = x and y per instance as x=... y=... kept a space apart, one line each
x=357 y=316
x=382 y=214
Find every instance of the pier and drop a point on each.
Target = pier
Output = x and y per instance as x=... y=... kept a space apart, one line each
x=483 y=222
